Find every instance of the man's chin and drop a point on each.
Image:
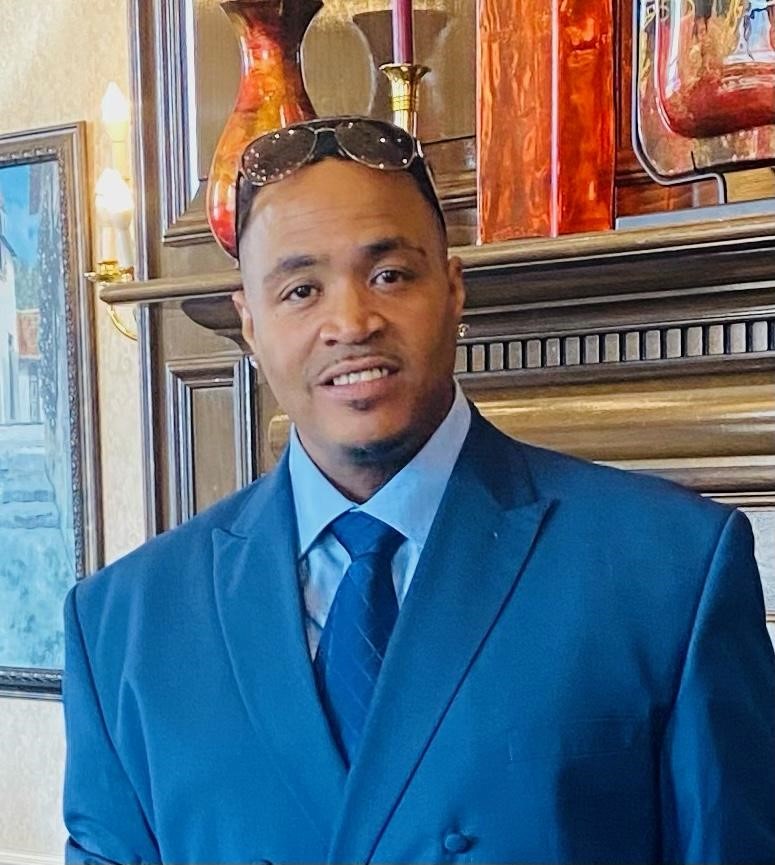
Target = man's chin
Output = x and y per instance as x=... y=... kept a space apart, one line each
x=380 y=449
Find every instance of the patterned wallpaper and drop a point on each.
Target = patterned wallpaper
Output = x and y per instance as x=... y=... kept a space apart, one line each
x=86 y=43
x=31 y=761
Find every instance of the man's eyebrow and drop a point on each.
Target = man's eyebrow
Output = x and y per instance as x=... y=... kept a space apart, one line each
x=391 y=244
x=291 y=264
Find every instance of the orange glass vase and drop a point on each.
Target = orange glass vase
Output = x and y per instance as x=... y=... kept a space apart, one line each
x=545 y=117
x=271 y=94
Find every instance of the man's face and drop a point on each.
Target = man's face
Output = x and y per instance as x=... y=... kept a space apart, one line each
x=351 y=308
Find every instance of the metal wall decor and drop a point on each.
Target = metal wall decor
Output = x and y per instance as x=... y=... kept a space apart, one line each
x=50 y=527
x=704 y=86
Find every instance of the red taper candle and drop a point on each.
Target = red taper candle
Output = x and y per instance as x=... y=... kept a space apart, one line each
x=403 y=41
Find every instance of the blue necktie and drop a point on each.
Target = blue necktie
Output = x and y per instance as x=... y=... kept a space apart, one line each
x=355 y=637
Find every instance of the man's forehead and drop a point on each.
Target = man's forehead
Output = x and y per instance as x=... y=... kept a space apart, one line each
x=332 y=189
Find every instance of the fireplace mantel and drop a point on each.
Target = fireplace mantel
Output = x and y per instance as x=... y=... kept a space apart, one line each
x=595 y=307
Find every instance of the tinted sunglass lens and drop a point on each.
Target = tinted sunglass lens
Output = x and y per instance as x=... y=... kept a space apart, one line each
x=272 y=156
x=379 y=145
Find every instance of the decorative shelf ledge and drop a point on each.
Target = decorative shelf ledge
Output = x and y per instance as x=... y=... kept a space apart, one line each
x=683 y=256
x=600 y=307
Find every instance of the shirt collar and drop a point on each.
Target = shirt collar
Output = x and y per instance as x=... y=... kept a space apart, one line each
x=409 y=500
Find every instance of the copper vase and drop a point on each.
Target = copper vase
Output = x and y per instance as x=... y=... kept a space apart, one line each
x=545 y=117
x=271 y=94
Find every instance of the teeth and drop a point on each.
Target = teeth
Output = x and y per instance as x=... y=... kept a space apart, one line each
x=363 y=375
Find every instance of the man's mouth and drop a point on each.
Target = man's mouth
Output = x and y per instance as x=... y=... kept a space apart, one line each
x=371 y=374
x=358 y=371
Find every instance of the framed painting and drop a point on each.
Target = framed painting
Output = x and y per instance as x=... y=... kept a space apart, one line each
x=50 y=527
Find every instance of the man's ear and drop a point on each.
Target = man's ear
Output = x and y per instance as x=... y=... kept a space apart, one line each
x=246 y=319
x=456 y=285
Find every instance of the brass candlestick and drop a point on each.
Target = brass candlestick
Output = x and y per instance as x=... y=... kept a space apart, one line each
x=110 y=272
x=404 y=81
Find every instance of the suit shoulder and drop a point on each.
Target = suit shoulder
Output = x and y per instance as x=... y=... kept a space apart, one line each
x=181 y=550
x=623 y=493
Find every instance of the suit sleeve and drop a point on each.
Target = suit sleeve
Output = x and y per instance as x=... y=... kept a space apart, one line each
x=101 y=810
x=718 y=750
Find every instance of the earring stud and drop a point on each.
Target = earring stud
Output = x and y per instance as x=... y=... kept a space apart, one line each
x=462 y=330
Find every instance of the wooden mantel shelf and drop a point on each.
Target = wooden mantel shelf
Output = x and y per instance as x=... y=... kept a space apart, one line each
x=662 y=259
x=605 y=306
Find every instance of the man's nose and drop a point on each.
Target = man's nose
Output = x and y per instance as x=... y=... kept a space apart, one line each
x=350 y=314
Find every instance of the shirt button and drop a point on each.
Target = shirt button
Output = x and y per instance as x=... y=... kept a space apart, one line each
x=456 y=842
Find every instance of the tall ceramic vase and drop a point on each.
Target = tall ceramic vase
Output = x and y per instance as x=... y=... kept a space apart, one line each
x=271 y=94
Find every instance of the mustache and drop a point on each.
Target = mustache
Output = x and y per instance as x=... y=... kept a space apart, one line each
x=348 y=354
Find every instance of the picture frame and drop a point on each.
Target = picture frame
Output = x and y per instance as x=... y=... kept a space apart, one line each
x=50 y=519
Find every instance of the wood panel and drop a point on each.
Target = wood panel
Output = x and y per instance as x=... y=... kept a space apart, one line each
x=201 y=411
x=209 y=429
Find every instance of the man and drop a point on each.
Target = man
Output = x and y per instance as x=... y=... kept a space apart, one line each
x=416 y=640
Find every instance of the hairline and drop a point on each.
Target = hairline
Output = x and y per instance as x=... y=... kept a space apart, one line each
x=441 y=227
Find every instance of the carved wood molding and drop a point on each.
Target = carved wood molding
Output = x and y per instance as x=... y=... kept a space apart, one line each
x=619 y=305
x=701 y=344
x=183 y=378
x=629 y=264
x=182 y=190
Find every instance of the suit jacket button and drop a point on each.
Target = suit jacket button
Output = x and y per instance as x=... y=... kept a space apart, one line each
x=456 y=842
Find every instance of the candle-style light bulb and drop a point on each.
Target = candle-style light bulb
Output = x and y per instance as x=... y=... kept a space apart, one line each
x=114 y=208
x=115 y=119
x=115 y=112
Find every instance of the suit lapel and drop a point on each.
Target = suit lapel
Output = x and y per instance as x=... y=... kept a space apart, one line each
x=487 y=524
x=261 y=614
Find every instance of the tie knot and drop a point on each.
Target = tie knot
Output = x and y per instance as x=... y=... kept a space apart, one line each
x=362 y=535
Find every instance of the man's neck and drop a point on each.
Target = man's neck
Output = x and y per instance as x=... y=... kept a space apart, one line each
x=358 y=472
x=359 y=484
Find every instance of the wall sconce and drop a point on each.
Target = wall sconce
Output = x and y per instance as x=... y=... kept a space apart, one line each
x=115 y=204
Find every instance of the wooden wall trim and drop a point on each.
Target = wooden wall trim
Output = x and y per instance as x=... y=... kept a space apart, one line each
x=182 y=379
x=636 y=262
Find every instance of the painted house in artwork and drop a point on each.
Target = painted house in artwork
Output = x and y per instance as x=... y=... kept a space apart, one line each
x=9 y=359
x=27 y=330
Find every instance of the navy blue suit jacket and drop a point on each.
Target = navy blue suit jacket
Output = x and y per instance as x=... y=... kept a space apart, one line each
x=580 y=673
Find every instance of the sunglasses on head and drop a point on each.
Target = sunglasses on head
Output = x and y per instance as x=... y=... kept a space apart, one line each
x=374 y=143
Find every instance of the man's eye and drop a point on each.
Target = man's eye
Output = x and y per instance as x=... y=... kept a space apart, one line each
x=300 y=292
x=390 y=276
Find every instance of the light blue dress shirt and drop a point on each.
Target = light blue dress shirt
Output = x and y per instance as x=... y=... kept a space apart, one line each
x=408 y=502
